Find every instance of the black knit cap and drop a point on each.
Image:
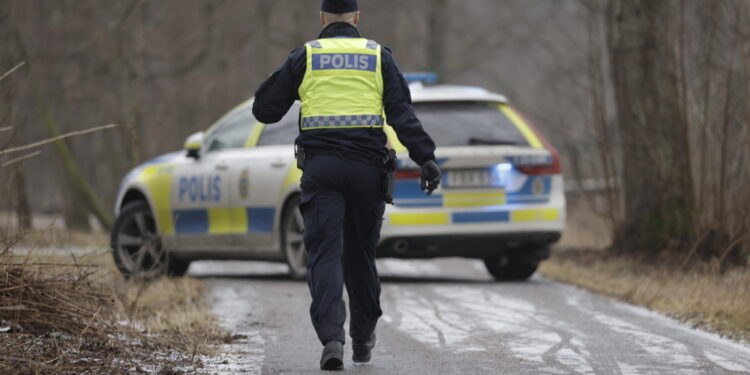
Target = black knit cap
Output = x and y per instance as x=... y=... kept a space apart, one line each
x=339 y=6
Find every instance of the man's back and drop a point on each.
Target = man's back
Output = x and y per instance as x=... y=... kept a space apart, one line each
x=282 y=88
x=342 y=86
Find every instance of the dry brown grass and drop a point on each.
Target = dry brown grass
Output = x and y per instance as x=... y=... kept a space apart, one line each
x=167 y=305
x=700 y=296
x=585 y=227
x=76 y=314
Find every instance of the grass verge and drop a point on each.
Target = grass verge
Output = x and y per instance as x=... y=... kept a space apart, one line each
x=701 y=297
x=77 y=315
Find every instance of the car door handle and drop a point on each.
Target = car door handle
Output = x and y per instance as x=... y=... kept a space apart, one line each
x=222 y=167
x=278 y=164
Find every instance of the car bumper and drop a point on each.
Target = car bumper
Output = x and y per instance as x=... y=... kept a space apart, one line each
x=468 y=245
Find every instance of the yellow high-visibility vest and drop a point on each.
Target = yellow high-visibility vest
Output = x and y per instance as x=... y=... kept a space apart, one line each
x=343 y=85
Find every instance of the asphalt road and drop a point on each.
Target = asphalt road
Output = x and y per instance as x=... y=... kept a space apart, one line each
x=448 y=317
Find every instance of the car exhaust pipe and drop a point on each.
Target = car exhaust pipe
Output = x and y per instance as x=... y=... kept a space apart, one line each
x=401 y=245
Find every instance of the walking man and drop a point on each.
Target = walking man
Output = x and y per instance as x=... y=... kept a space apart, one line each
x=347 y=86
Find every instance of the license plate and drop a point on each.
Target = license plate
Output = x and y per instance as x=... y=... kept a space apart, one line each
x=474 y=178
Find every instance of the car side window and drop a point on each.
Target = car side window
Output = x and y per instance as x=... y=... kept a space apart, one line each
x=284 y=132
x=232 y=130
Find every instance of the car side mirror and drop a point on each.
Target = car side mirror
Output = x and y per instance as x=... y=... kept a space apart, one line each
x=193 y=145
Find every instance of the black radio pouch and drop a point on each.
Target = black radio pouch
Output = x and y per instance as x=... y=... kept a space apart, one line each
x=299 y=154
x=389 y=181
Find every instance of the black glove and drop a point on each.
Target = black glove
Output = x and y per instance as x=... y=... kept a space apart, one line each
x=430 y=176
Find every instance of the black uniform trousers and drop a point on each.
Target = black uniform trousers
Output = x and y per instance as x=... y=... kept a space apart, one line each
x=342 y=205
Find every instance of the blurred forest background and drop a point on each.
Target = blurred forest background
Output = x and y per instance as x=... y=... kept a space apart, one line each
x=647 y=101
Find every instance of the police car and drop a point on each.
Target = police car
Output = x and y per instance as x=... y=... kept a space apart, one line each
x=233 y=193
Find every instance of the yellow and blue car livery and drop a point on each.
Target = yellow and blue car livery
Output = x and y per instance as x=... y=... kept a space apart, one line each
x=493 y=197
x=225 y=196
x=154 y=180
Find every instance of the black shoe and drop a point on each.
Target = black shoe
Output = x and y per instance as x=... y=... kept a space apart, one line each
x=333 y=356
x=362 y=350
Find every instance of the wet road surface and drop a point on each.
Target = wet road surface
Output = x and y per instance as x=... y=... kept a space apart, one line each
x=448 y=317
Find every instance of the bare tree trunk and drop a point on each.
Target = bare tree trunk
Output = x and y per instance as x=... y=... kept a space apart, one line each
x=128 y=80
x=436 y=38
x=606 y=150
x=23 y=210
x=18 y=181
x=657 y=186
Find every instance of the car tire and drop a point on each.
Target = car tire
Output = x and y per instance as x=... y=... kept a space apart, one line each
x=511 y=268
x=136 y=245
x=292 y=244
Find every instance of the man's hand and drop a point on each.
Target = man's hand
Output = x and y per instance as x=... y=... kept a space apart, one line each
x=430 y=176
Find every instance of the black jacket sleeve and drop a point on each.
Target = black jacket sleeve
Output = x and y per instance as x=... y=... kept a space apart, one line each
x=277 y=94
x=400 y=113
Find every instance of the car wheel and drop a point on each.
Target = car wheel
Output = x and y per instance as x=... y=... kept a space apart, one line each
x=136 y=245
x=510 y=268
x=292 y=226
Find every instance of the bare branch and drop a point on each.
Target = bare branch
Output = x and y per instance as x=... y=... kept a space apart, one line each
x=59 y=137
x=12 y=70
x=21 y=158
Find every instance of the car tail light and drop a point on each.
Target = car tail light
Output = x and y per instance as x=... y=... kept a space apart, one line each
x=406 y=174
x=535 y=170
x=551 y=168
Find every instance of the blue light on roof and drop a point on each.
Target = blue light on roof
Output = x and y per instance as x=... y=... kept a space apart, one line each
x=424 y=77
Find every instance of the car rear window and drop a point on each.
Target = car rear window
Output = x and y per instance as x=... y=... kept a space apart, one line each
x=468 y=124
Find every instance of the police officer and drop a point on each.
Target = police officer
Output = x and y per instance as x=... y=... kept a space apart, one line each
x=347 y=85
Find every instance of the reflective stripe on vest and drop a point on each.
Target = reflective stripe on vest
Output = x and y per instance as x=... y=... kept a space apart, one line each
x=343 y=85
x=352 y=121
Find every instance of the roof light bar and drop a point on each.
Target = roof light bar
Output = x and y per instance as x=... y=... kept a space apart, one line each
x=424 y=77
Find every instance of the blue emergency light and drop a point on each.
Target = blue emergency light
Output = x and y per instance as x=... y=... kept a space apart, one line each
x=424 y=77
